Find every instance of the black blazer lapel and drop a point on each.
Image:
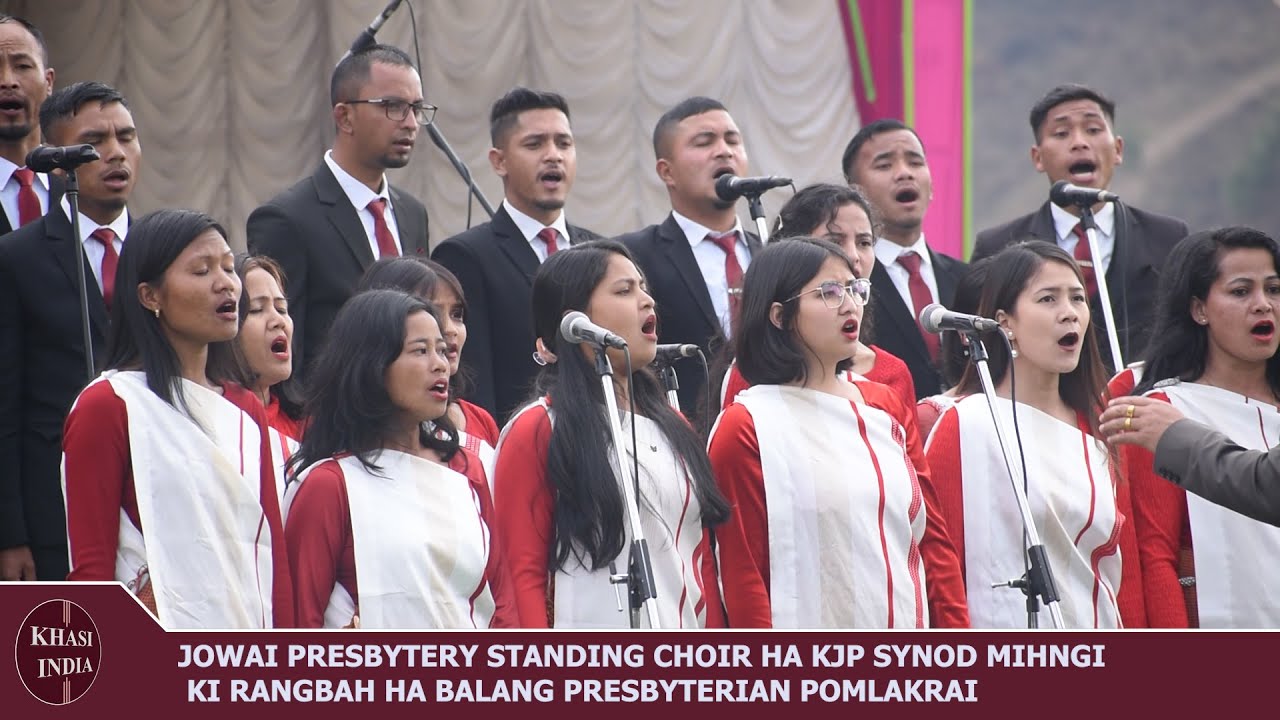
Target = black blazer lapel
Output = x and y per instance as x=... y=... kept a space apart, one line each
x=342 y=216
x=58 y=232
x=1042 y=227
x=676 y=248
x=413 y=234
x=512 y=243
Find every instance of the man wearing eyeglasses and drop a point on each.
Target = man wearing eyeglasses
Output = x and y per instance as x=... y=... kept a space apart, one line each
x=329 y=227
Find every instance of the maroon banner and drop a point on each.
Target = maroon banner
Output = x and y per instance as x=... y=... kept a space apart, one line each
x=91 y=651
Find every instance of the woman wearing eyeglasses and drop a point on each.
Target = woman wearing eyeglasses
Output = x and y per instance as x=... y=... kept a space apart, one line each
x=834 y=520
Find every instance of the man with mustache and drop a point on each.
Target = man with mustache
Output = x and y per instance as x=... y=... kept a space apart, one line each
x=25 y=81
x=42 y=354
x=535 y=155
x=695 y=260
x=327 y=229
x=1075 y=141
x=886 y=159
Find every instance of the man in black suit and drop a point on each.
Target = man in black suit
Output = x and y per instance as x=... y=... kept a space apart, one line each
x=687 y=260
x=534 y=154
x=329 y=227
x=1074 y=141
x=886 y=159
x=42 y=353
x=25 y=81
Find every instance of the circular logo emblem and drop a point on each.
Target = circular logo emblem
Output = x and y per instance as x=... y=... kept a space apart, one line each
x=58 y=652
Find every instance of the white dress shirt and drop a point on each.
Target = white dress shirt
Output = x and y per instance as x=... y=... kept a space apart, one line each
x=1105 y=219
x=360 y=196
x=9 y=192
x=887 y=253
x=94 y=250
x=711 y=262
x=530 y=228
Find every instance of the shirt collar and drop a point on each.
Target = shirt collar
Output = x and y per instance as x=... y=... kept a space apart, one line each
x=696 y=232
x=1064 y=222
x=357 y=192
x=6 y=171
x=888 y=251
x=120 y=226
x=530 y=227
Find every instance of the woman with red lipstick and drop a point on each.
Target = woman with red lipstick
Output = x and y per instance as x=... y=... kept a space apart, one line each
x=388 y=520
x=560 y=507
x=265 y=344
x=1036 y=293
x=843 y=215
x=1213 y=356
x=834 y=521
x=434 y=283
x=166 y=463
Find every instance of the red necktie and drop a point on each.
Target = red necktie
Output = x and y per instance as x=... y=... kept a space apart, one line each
x=107 y=237
x=732 y=270
x=1084 y=258
x=549 y=235
x=28 y=202
x=386 y=242
x=920 y=298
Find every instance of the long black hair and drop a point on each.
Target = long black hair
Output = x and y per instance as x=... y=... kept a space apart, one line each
x=136 y=339
x=968 y=295
x=767 y=354
x=347 y=401
x=1010 y=270
x=1179 y=346
x=589 y=511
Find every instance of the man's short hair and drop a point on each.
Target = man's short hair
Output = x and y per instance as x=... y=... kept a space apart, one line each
x=1067 y=93
x=35 y=33
x=686 y=108
x=352 y=71
x=506 y=110
x=66 y=102
x=865 y=133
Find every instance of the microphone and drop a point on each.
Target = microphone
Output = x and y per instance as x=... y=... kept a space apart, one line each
x=577 y=328
x=46 y=158
x=732 y=187
x=365 y=40
x=676 y=351
x=936 y=318
x=1064 y=193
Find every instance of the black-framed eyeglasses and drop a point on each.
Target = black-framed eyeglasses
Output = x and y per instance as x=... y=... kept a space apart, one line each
x=397 y=109
x=832 y=292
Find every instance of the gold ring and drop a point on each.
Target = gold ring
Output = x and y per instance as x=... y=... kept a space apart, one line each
x=1128 y=412
x=1128 y=423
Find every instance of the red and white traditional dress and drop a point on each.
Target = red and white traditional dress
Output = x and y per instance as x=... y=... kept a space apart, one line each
x=1236 y=583
x=834 y=521
x=888 y=370
x=285 y=433
x=404 y=547
x=186 y=500
x=481 y=435
x=575 y=596
x=1072 y=498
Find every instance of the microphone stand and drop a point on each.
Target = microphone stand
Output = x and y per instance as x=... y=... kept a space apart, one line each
x=73 y=199
x=757 y=214
x=1038 y=582
x=639 y=575
x=1104 y=292
x=438 y=139
x=667 y=373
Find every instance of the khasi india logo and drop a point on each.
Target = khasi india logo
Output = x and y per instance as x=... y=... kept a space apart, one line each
x=58 y=652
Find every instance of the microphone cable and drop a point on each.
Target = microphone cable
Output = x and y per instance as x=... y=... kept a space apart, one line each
x=1022 y=457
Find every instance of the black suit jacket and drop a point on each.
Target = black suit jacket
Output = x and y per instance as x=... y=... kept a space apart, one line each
x=57 y=188
x=685 y=312
x=896 y=329
x=42 y=370
x=1211 y=465
x=313 y=231
x=1143 y=240
x=495 y=265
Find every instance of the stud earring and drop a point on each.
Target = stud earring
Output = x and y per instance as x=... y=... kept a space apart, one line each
x=157 y=313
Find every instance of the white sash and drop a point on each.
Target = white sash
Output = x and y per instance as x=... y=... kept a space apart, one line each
x=282 y=448
x=846 y=514
x=208 y=543
x=1072 y=501
x=421 y=547
x=672 y=523
x=1236 y=578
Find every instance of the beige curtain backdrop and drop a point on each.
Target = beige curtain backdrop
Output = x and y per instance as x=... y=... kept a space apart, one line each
x=231 y=96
